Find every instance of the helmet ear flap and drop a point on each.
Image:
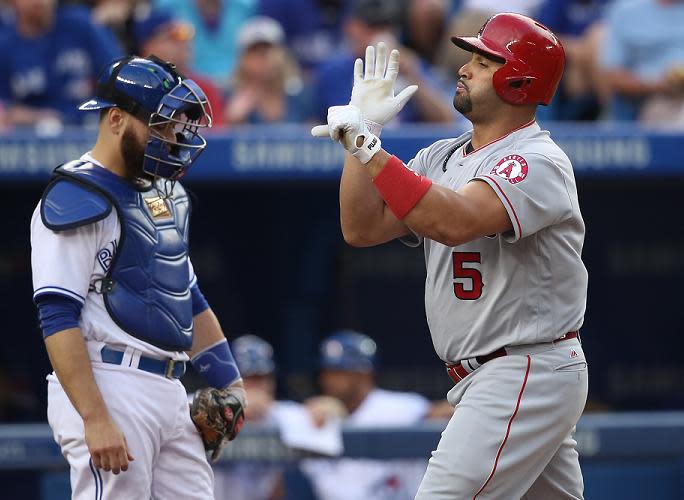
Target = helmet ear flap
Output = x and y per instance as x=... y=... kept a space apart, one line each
x=511 y=87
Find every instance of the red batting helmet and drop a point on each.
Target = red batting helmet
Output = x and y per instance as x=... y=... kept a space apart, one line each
x=533 y=57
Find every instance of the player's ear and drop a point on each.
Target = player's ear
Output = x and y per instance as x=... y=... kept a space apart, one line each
x=116 y=120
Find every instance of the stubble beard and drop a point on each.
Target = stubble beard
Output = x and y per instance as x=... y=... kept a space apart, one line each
x=462 y=103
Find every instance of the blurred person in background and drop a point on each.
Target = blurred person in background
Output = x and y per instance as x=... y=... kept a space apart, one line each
x=159 y=32
x=49 y=61
x=424 y=26
x=216 y=23
x=372 y=21
x=264 y=481
x=578 y=24
x=313 y=28
x=643 y=61
x=116 y=15
x=266 y=86
x=348 y=364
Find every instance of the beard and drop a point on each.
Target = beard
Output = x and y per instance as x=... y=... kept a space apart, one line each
x=133 y=154
x=462 y=103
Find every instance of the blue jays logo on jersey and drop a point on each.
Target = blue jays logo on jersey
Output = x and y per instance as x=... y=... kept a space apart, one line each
x=513 y=168
x=106 y=254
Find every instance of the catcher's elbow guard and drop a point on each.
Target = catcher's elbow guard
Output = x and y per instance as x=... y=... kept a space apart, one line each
x=217 y=365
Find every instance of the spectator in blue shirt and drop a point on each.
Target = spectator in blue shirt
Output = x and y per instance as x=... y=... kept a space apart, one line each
x=643 y=58
x=159 y=32
x=49 y=61
x=372 y=21
x=216 y=23
x=313 y=28
x=578 y=23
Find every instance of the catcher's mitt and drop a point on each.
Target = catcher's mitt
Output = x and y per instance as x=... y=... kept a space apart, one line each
x=218 y=415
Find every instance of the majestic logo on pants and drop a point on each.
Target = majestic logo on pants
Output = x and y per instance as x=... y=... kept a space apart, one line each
x=513 y=168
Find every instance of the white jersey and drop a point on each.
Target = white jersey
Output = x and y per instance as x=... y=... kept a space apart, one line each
x=353 y=479
x=524 y=287
x=252 y=480
x=72 y=263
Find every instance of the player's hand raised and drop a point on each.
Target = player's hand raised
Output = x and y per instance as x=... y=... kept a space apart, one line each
x=373 y=91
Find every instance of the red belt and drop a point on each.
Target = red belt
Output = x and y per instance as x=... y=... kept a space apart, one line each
x=459 y=371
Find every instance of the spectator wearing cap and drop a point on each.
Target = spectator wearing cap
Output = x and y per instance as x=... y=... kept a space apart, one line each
x=159 y=32
x=266 y=86
x=216 y=23
x=49 y=61
x=372 y=21
x=348 y=363
x=313 y=28
x=258 y=481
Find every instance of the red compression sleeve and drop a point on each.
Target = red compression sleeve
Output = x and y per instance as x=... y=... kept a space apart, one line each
x=400 y=187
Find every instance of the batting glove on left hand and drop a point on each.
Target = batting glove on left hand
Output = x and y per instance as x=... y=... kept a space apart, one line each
x=346 y=126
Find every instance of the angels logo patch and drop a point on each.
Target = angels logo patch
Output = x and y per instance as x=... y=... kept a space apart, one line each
x=513 y=168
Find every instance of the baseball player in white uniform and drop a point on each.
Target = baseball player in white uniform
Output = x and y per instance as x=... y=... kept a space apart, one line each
x=117 y=298
x=348 y=365
x=497 y=213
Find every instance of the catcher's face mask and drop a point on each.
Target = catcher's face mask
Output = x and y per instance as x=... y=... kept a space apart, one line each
x=175 y=142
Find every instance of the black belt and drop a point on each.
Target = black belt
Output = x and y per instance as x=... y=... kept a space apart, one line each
x=168 y=368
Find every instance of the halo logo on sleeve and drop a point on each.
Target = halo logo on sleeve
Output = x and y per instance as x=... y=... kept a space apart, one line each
x=513 y=168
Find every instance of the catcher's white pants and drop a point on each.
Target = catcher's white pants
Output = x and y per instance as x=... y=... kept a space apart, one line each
x=510 y=436
x=152 y=412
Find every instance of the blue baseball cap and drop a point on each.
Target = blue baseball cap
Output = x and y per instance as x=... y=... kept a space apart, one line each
x=348 y=350
x=253 y=355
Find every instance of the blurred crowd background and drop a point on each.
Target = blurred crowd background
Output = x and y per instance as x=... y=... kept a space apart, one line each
x=287 y=61
x=270 y=257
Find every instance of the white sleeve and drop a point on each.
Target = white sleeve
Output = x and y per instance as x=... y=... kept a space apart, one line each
x=62 y=262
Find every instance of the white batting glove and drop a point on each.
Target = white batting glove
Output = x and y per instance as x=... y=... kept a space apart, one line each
x=373 y=91
x=346 y=126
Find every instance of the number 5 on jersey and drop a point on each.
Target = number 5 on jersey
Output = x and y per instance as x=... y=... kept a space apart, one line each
x=472 y=276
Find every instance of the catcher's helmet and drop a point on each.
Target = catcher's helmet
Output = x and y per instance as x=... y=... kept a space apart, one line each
x=253 y=355
x=348 y=350
x=533 y=57
x=154 y=92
